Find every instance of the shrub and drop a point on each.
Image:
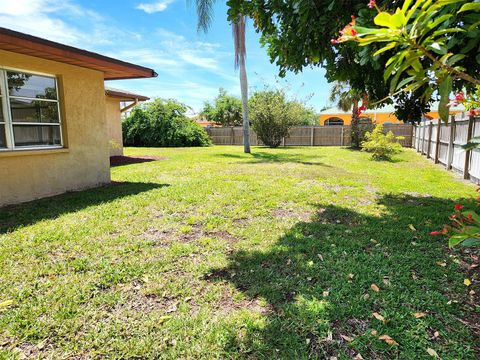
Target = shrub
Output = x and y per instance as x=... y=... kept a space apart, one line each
x=163 y=123
x=272 y=116
x=465 y=226
x=380 y=145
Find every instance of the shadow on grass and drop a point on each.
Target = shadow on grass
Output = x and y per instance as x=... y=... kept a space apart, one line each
x=267 y=157
x=15 y=216
x=316 y=280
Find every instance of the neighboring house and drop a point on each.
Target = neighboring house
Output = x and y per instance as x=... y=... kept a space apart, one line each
x=335 y=116
x=117 y=102
x=53 y=125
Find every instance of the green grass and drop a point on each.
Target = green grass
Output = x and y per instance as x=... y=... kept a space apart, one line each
x=217 y=254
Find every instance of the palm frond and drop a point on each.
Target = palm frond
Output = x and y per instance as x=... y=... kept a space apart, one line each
x=204 y=14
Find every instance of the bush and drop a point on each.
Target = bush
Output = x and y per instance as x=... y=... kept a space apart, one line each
x=272 y=116
x=380 y=145
x=162 y=123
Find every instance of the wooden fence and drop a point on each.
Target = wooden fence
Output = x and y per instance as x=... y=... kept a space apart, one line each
x=306 y=135
x=443 y=142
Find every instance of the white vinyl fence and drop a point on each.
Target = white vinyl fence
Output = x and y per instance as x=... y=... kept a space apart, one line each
x=442 y=142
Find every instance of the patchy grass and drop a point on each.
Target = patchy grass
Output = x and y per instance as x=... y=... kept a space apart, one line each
x=216 y=254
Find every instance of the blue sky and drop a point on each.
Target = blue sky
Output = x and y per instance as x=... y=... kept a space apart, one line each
x=161 y=35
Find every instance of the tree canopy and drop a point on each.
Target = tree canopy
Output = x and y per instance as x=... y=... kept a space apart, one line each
x=299 y=34
x=225 y=110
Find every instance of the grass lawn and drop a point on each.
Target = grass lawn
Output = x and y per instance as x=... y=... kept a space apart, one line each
x=216 y=254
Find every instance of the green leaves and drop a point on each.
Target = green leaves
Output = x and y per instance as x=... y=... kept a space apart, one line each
x=474 y=143
x=444 y=91
x=391 y=21
x=469 y=7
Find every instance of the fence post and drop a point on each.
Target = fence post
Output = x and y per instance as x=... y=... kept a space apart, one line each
x=342 y=141
x=429 y=144
x=232 y=136
x=312 y=134
x=451 y=143
x=437 y=141
x=466 y=174
x=283 y=141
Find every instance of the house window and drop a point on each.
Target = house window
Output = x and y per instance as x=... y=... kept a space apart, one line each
x=29 y=111
x=333 y=121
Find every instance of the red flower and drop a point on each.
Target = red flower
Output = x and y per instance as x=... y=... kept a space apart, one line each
x=436 y=233
x=372 y=4
x=334 y=41
x=460 y=97
x=478 y=199
x=470 y=217
x=458 y=207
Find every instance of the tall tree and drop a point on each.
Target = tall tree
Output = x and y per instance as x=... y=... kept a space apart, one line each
x=205 y=15
x=348 y=98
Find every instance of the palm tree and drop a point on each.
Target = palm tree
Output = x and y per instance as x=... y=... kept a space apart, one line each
x=205 y=14
x=346 y=99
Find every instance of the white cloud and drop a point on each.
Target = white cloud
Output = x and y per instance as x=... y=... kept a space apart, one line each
x=154 y=7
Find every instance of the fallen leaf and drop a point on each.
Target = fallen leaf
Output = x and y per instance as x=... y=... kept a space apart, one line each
x=419 y=315
x=358 y=357
x=172 y=308
x=436 y=334
x=414 y=276
x=5 y=304
x=325 y=293
x=432 y=352
x=307 y=341
x=412 y=227
x=471 y=292
x=374 y=333
x=467 y=282
x=373 y=241
x=386 y=280
x=442 y=264
x=320 y=257
x=366 y=296
x=187 y=299
x=378 y=316
x=310 y=263
x=347 y=338
x=388 y=340
x=350 y=277
x=309 y=279
x=162 y=319
x=289 y=261
x=375 y=288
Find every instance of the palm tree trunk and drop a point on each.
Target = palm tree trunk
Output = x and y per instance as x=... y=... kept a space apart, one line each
x=244 y=91
x=355 y=126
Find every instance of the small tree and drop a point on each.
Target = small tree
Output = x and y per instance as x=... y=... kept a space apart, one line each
x=381 y=146
x=226 y=110
x=272 y=116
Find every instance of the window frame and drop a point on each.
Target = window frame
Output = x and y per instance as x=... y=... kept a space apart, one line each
x=7 y=113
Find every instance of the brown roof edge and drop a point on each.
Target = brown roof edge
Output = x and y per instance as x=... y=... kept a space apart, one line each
x=113 y=69
x=125 y=95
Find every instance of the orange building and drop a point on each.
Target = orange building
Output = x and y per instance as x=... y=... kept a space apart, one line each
x=385 y=115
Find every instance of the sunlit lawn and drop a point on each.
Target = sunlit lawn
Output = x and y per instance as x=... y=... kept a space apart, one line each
x=217 y=254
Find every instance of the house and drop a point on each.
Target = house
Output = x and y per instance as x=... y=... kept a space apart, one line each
x=384 y=115
x=117 y=102
x=54 y=134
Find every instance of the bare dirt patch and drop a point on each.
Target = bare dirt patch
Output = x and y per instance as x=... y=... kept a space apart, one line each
x=128 y=160
x=301 y=215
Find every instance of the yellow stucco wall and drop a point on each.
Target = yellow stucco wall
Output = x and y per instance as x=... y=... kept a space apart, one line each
x=378 y=118
x=27 y=175
x=114 y=126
